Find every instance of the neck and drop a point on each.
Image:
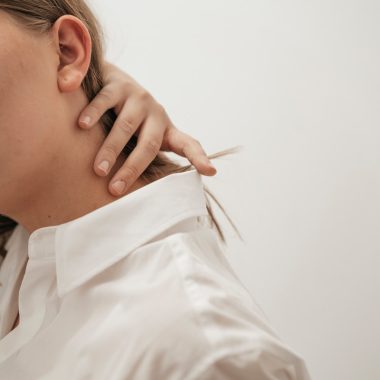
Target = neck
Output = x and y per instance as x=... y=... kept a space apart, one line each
x=73 y=189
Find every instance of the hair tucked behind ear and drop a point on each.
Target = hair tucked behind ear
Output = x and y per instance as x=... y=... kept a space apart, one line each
x=39 y=16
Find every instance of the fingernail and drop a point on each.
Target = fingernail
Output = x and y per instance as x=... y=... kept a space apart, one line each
x=104 y=166
x=208 y=162
x=119 y=186
x=211 y=165
x=85 y=120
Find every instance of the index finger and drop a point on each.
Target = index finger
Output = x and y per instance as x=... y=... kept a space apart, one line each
x=103 y=101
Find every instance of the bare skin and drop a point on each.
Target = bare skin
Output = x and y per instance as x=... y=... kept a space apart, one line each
x=139 y=114
x=47 y=176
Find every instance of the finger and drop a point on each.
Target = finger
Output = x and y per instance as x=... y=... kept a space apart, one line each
x=186 y=146
x=103 y=101
x=126 y=124
x=147 y=148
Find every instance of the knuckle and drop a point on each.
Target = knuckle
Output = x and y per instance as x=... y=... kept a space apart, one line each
x=144 y=95
x=94 y=109
x=127 y=126
x=110 y=151
x=152 y=146
x=198 y=144
x=131 y=171
x=161 y=110
x=171 y=132
x=188 y=148
x=193 y=141
x=105 y=96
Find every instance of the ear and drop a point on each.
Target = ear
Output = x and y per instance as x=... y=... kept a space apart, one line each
x=73 y=45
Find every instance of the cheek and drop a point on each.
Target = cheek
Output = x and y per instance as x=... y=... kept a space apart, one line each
x=28 y=108
x=26 y=101
x=19 y=114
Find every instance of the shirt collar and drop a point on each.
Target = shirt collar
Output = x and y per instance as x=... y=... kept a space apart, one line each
x=85 y=246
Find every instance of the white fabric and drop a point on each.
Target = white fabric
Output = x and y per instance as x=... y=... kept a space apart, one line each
x=137 y=289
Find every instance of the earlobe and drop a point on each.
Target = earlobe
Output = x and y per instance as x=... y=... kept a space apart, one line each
x=73 y=44
x=69 y=80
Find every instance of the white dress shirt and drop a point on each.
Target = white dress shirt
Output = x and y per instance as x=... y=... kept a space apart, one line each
x=138 y=289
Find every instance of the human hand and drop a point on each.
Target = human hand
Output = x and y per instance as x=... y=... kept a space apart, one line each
x=139 y=114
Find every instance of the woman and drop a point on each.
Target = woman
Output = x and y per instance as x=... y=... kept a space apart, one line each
x=135 y=287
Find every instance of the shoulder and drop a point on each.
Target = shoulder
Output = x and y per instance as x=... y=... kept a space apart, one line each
x=188 y=276
x=227 y=327
x=187 y=315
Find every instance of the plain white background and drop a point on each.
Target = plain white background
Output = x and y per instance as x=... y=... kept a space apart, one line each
x=297 y=84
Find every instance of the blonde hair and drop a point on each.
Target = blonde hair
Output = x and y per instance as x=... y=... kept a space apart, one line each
x=39 y=16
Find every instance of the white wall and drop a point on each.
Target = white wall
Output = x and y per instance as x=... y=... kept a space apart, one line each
x=297 y=84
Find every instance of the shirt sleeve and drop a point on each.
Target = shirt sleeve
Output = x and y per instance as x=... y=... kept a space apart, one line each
x=267 y=363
